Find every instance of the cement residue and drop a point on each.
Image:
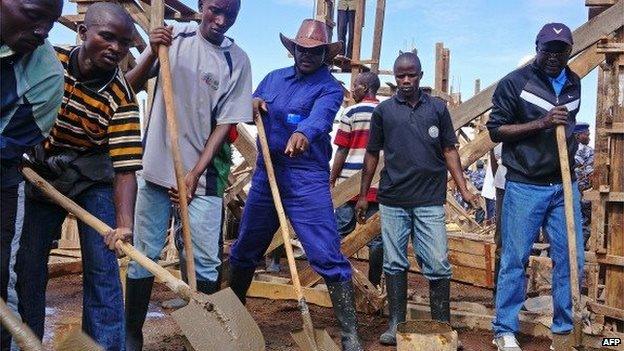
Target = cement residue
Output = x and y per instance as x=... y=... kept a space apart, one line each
x=424 y=327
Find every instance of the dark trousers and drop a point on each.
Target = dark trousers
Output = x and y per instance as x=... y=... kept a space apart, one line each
x=8 y=209
x=103 y=309
x=346 y=21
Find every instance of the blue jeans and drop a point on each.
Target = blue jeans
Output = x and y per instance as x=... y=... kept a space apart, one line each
x=527 y=208
x=346 y=220
x=151 y=222
x=426 y=226
x=102 y=301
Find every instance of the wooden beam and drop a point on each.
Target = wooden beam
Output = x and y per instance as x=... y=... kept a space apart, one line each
x=246 y=145
x=377 y=39
x=584 y=36
x=284 y=291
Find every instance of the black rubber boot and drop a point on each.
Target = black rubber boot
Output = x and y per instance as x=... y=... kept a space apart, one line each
x=439 y=300
x=138 y=292
x=343 y=300
x=375 y=264
x=396 y=288
x=207 y=287
x=240 y=280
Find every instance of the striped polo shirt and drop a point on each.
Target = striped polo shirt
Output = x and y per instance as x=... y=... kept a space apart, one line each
x=92 y=119
x=352 y=134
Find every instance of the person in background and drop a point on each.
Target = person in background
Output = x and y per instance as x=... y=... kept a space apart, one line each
x=584 y=168
x=351 y=139
x=346 y=24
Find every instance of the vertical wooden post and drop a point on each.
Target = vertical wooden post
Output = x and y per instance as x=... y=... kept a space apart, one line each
x=442 y=64
x=379 y=24
x=156 y=19
x=477 y=86
x=357 y=41
x=614 y=279
x=325 y=13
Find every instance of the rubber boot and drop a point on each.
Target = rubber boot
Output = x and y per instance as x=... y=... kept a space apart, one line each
x=343 y=300
x=207 y=287
x=138 y=292
x=375 y=264
x=439 y=300
x=396 y=288
x=240 y=280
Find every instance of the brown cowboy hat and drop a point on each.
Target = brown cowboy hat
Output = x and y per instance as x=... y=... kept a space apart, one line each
x=312 y=33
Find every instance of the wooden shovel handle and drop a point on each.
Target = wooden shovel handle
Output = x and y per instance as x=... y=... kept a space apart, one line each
x=172 y=282
x=23 y=336
x=308 y=327
x=279 y=207
x=172 y=130
x=568 y=199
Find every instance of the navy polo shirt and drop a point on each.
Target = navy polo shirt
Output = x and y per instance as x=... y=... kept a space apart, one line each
x=412 y=139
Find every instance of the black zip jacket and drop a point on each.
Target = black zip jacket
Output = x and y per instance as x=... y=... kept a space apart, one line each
x=525 y=95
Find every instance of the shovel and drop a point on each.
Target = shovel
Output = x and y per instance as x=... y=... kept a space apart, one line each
x=308 y=339
x=24 y=337
x=568 y=201
x=218 y=322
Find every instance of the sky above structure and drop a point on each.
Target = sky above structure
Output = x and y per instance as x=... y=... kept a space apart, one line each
x=487 y=39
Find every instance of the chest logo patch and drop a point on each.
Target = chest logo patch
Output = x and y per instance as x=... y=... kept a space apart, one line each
x=210 y=80
x=434 y=131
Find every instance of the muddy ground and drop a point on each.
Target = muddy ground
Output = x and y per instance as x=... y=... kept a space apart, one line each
x=275 y=318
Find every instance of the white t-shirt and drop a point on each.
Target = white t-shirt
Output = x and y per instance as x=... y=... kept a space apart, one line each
x=212 y=86
x=501 y=172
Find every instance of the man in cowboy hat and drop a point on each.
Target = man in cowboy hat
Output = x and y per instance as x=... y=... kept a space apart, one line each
x=299 y=104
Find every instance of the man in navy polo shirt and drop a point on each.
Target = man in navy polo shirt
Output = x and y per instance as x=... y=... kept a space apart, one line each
x=416 y=134
x=527 y=106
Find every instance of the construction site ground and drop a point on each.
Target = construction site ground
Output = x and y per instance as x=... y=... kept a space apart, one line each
x=275 y=318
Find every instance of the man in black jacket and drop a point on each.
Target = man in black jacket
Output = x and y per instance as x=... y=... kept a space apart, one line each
x=528 y=104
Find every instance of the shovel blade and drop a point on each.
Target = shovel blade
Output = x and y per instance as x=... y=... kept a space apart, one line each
x=219 y=322
x=324 y=342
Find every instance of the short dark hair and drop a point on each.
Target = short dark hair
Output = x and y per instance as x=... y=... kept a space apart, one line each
x=408 y=57
x=99 y=12
x=371 y=80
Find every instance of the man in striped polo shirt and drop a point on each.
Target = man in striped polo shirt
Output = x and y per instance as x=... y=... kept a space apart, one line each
x=351 y=139
x=91 y=156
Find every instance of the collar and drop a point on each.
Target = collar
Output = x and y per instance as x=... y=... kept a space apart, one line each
x=561 y=78
x=292 y=73
x=422 y=97
x=6 y=51
x=98 y=84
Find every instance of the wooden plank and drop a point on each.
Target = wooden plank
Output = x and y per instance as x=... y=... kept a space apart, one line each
x=584 y=36
x=613 y=196
x=377 y=38
x=281 y=291
x=606 y=310
x=474 y=276
x=246 y=145
x=605 y=259
x=599 y=2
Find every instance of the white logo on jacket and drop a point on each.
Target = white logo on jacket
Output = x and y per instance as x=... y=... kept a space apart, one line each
x=433 y=131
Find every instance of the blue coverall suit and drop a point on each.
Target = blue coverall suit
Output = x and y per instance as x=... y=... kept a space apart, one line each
x=306 y=104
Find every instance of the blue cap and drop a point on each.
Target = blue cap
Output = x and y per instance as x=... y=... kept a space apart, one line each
x=554 y=32
x=581 y=127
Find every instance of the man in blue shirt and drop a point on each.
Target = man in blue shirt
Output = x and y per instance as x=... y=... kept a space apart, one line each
x=31 y=89
x=527 y=106
x=299 y=104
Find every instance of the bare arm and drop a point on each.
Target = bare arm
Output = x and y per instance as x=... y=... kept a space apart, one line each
x=339 y=160
x=125 y=189
x=140 y=73
x=214 y=143
x=513 y=132
x=453 y=164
